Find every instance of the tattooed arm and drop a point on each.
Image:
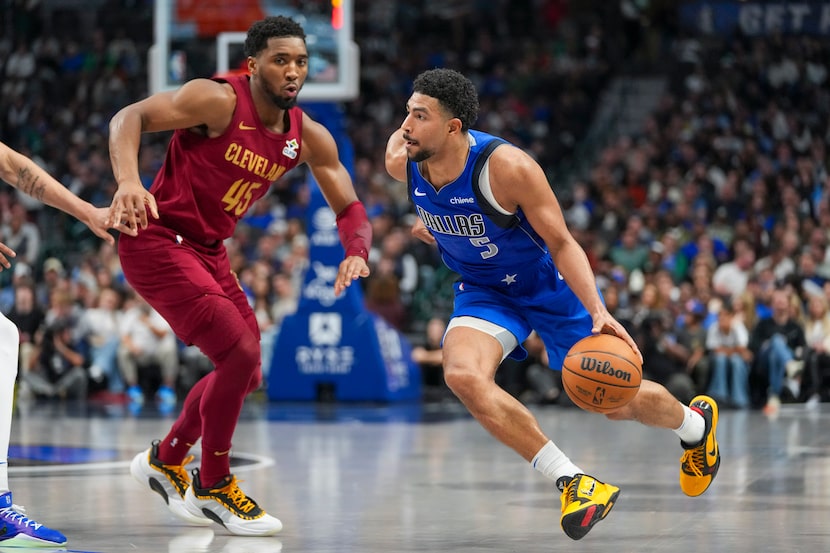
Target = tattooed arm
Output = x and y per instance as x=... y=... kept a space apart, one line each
x=25 y=175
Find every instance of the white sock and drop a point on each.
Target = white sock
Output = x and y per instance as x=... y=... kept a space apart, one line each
x=691 y=431
x=554 y=464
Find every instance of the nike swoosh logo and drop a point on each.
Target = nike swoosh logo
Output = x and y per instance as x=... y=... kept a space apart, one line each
x=220 y=453
x=244 y=127
x=419 y=193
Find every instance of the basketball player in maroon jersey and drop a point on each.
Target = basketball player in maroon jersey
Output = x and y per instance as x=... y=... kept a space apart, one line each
x=232 y=138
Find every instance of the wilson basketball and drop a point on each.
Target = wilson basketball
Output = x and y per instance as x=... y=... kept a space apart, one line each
x=601 y=373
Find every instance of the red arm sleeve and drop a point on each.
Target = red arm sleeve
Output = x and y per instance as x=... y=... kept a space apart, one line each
x=355 y=230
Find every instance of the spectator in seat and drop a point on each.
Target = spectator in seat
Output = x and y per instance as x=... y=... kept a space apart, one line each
x=777 y=342
x=726 y=343
x=101 y=328
x=817 y=356
x=148 y=341
x=59 y=371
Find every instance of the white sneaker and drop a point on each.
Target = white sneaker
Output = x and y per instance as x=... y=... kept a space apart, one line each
x=169 y=481
x=227 y=505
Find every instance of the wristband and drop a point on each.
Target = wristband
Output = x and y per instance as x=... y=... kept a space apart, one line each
x=355 y=230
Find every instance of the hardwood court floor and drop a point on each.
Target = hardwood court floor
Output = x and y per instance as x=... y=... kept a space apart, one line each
x=426 y=477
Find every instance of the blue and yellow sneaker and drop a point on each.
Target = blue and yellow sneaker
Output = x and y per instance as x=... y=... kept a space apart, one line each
x=585 y=501
x=700 y=462
x=18 y=530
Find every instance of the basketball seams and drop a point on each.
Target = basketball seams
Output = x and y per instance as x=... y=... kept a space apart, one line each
x=612 y=383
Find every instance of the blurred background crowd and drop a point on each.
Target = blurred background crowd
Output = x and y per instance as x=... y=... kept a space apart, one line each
x=693 y=168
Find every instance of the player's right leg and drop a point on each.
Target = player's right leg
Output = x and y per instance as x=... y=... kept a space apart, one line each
x=472 y=352
x=226 y=504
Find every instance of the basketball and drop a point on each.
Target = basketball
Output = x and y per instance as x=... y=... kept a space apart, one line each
x=601 y=373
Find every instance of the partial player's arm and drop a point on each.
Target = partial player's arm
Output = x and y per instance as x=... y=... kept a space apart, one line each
x=395 y=161
x=25 y=175
x=518 y=181
x=198 y=103
x=396 y=158
x=319 y=151
x=420 y=231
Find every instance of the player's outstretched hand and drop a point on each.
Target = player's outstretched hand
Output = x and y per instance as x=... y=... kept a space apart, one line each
x=129 y=207
x=607 y=324
x=97 y=223
x=351 y=268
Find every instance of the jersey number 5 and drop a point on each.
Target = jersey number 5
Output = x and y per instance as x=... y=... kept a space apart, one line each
x=484 y=242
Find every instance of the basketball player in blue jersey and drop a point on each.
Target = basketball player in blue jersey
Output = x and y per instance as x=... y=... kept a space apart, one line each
x=496 y=221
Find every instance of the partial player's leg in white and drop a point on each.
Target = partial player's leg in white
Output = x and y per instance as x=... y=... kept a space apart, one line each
x=9 y=343
x=18 y=529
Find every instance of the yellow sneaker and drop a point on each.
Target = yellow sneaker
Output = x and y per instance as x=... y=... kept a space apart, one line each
x=700 y=462
x=585 y=501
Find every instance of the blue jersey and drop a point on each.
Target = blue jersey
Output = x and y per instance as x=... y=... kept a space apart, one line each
x=476 y=238
x=507 y=273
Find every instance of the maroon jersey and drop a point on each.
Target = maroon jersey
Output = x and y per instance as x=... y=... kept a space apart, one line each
x=207 y=184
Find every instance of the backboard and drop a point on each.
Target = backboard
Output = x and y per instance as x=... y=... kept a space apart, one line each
x=202 y=38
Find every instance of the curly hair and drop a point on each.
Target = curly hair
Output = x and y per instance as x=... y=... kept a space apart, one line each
x=455 y=92
x=274 y=26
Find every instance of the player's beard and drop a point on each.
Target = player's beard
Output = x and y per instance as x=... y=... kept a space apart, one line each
x=278 y=100
x=421 y=155
x=281 y=102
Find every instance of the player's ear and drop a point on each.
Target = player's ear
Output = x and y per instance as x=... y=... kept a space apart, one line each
x=454 y=125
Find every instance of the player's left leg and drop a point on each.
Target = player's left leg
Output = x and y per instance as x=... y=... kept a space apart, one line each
x=695 y=425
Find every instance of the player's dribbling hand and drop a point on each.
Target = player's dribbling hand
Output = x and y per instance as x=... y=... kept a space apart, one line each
x=129 y=207
x=607 y=324
x=351 y=268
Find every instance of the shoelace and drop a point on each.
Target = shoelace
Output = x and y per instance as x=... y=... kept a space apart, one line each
x=571 y=490
x=183 y=479
x=235 y=494
x=693 y=458
x=15 y=515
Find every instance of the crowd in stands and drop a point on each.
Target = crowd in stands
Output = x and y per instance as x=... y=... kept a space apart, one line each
x=707 y=230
